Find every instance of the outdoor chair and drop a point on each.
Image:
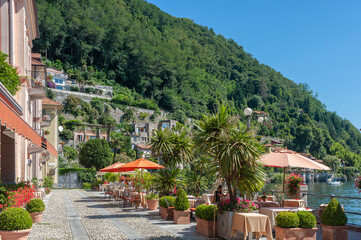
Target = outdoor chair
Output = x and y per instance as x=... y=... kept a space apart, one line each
x=135 y=200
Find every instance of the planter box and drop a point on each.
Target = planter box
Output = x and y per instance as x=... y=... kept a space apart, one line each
x=170 y=212
x=207 y=228
x=11 y=235
x=295 y=233
x=224 y=221
x=36 y=216
x=152 y=204
x=182 y=217
x=163 y=212
x=334 y=232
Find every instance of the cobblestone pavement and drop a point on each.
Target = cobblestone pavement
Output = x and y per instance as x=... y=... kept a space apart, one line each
x=78 y=214
x=55 y=224
x=82 y=215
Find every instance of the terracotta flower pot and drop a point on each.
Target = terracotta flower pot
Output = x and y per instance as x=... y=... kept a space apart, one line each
x=152 y=204
x=207 y=228
x=295 y=233
x=12 y=235
x=163 y=212
x=182 y=217
x=334 y=232
x=170 y=212
x=36 y=216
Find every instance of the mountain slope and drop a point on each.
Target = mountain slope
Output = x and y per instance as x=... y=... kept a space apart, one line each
x=185 y=68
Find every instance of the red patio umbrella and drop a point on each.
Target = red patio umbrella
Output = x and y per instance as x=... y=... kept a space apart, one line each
x=112 y=167
x=140 y=163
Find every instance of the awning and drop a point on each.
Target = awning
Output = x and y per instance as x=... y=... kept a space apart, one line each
x=12 y=120
x=51 y=149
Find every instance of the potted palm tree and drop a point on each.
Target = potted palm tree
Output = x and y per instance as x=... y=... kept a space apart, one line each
x=206 y=220
x=333 y=221
x=166 y=205
x=300 y=225
x=15 y=223
x=182 y=214
x=36 y=208
x=152 y=201
x=234 y=153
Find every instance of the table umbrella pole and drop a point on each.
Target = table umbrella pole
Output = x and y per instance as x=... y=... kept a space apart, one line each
x=283 y=194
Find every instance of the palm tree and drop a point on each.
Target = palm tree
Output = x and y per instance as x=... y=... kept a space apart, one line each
x=162 y=145
x=116 y=142
x=174 y=148
x=231 y=148
x=182 y=151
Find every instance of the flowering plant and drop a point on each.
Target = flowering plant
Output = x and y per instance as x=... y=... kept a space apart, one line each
x=239 y=206
x=51 y=85
x=358 y=184
x=293 y=183
x=16 y=197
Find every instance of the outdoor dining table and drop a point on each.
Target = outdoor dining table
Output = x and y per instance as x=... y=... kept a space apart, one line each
x=262 y=204
x=294 y=203
x=273 y=212
x=269 y=198
x=249 y=223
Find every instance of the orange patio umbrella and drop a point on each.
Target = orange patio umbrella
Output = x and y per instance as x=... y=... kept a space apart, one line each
x=112 y=167
x=140 y=163
x=285 y=158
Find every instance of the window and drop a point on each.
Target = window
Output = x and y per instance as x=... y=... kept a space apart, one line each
x=79 y=138
x=92 y=137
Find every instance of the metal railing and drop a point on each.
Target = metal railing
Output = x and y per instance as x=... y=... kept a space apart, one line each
x=333 y=196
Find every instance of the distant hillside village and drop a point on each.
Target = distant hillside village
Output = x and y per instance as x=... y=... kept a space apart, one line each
x=142 y=129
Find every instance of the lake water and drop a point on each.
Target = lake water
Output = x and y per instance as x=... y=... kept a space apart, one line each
x=347 y=189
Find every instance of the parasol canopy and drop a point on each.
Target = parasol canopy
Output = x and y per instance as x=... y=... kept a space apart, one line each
x=112 y=167
x=288 y=158
x=140 y=163
x=285 y=158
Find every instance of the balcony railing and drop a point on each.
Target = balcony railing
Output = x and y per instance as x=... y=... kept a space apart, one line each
x=46 y=121
x=37 y=90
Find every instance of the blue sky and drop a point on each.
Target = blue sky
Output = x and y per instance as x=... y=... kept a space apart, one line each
x=316 y=42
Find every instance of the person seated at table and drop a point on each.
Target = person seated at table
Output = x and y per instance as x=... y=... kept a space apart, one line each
x=218 y=195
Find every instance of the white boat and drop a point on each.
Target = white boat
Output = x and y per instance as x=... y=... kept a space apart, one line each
x=336 y=183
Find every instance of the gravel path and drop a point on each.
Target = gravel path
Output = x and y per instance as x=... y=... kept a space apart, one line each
x=55 y=224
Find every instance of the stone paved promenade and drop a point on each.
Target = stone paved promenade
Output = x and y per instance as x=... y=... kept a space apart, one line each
x=79 y=214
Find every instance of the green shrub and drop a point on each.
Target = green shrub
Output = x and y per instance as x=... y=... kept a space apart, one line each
x=74 y=89
x=199 y=210
x=87 y=186
x=48 y=182
x=166 y=199
x=287 y=220
x=35 y=205
x=206 y=212
x=333 y=214
x=307 y=219
x=97 y=183
x=152 y=196
x=181 y=202
x=13 y=219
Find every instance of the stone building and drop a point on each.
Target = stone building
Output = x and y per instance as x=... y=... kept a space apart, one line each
x=21 y=139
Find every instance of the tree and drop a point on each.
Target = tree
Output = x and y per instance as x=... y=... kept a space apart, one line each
x=95 y=153
x=117 y=141
x=8 y=75
x=232 y=149
x=108 y=122
x=70 y=153
x=332 y=161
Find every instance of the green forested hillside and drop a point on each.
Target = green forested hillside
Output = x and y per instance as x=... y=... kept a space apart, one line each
x=154 y=58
